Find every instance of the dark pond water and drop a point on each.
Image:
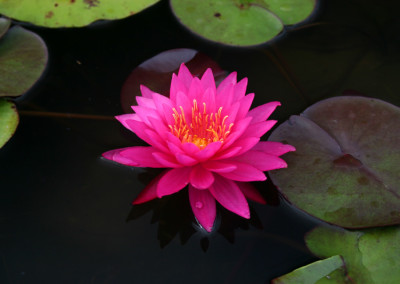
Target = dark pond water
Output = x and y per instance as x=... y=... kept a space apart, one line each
x=66 y=214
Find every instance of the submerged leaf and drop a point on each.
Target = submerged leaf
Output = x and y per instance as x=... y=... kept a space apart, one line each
x=240 y=23
x=345 y=170
x=156 y=73
x=8 y=121
x=70 y=13
x=23 y=58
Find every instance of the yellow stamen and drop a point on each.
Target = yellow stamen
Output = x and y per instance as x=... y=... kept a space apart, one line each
x=203 y=128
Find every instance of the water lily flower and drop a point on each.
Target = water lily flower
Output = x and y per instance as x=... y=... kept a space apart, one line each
x=208 y=138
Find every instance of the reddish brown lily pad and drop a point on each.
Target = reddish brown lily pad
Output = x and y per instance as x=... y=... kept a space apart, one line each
x=345 y=170
x=156 y=72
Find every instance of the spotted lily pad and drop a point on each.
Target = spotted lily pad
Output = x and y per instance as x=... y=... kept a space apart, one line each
x=370 y=256
x=156 y=73
x=70 y=13
x=23 y=58
x=8 y=121
x=345 y=170
x=240 y=22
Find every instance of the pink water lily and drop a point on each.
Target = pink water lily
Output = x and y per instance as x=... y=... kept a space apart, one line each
x=208 y=138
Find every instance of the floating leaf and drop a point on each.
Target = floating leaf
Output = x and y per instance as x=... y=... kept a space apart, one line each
x=370 y=256
x=70 y=13
x=345 y=170
x=4 y=25
x=241 y=23
x=8 y=121
x=23 y=57
x=290 y=11
x=156 y=73
x=313 y=272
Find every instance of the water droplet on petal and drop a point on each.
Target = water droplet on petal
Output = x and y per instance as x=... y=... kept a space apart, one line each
x=199 y=205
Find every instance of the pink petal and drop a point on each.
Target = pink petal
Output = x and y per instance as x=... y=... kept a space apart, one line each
x=250 y=192
x=173 y=139
x=262 y=112
x=224 y=98
x=155 y=140
x=184 y=75
x=228 y=194
x=173 y=181
x=231 y=111
x=139 y=128
x=203 y=207
x=209 y=99
x=208 y=151
x=246 y=144
x=237 y=131
x=160 y=102
x=245 y=104
x=201 y=178
x=168 y=114
x=167 y=160
x=174 y=148
x=230 y=152
x=182 y=100
x=261 y=160
x=190 y=148
x=125 y=117
x=185 y=160
x=195 y=91
x=258 y=129
x=245 y=172
x=144 y=113
x=149 y=192
x=240 y=90
x=146 y=102
x=219 y=167
x=159 y=127
x=207 y=80
x=146 y=92
x=176 y=86
x=273 y=148
x=229 y=80
x=141 y=155
x=114 y=155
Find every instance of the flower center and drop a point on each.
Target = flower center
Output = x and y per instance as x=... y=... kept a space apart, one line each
x=203 y=128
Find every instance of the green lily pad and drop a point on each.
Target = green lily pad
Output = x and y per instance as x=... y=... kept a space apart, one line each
x=8 y=120
x=313 y=272
x=370 y=256
x=346 y=167
x=4 y=25
x=23 y=58
x=70 y=13
x=156 y=72
x=243 y=23
x=290 y=11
